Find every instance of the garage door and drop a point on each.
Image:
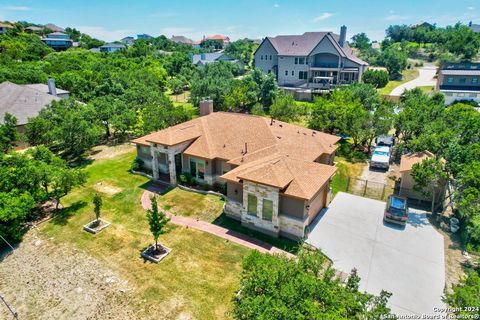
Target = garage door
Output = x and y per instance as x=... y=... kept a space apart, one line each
x=317 y=204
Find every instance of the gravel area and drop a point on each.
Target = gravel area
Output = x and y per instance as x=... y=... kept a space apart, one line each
x=42 y=280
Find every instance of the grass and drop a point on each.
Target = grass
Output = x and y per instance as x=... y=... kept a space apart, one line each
x=199 y=277
x=407 y=75
x=426 y=89
x=346 y=170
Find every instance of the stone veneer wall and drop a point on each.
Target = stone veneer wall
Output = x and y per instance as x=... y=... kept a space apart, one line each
x=170 y=151
x=256 y=222
x=293 y=228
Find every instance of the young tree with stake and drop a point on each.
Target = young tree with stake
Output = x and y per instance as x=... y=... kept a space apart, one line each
x=157 y=221
x=97 y=207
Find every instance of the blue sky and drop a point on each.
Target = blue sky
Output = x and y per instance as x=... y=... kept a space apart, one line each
x=113 y=19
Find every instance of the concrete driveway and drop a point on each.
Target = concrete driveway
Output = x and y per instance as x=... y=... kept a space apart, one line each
x=406 y=261
x=425 y=77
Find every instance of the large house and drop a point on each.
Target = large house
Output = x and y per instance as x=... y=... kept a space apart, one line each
x=225 y=40
x=459 y=81
x=313 y=60
x=58 y=41
x=186 y=41
x=26 y=101
x=474 y=27
x=277 y=175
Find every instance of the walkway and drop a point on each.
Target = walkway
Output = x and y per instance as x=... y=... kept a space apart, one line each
x=221 y=232
x=425 y=78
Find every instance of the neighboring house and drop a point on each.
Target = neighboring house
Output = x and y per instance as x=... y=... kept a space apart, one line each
x=144 y=36
x=459 y=81
x=406 y=180
x=376 y=45
x=205 y=58
x=313 y=60
x=128 y=41
x=277 y=175
x=112 y=47
x=58 y=41
x=4 y=27
x=474 y=27
x=34 y=29
x=186 y=41
x=218 y=37
x=422 y=24
x=54 y=27
x=26 y=101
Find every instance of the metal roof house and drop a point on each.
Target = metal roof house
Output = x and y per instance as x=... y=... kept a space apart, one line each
x=58 y=41
x=313 y=60
x=459 y=81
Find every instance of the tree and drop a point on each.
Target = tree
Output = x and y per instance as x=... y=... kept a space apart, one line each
x=8 y=133
x=156 y=220
x=15 y=207
x=97 y=206
x=361 y=41
x=284 y=108
x=377 y=78
x=394 y=60
x=429 y=177
x=276 y=287
x=64 y=180
x=465 y=294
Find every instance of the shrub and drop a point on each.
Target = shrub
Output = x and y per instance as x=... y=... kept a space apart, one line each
x=377 y=78
x=138 y=164
x=220 y=187
x=187 y=179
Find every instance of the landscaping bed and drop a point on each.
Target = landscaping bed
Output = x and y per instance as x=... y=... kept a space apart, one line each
x=96 y=226
x=155 y=253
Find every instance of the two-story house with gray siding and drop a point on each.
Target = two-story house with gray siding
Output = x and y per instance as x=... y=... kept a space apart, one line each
x=313 y=60
x=459 y=81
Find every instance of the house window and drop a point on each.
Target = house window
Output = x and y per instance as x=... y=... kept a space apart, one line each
x=267 y=213
x=293 y=73
x=301 y=60
x=261 y=57
x=286 y=72
x=449 y=80
x=474 y=80
x=462 y=80
x=270 y=57
x=306 y=60
x=252 y=205
x=296 y=60
x=302 y=75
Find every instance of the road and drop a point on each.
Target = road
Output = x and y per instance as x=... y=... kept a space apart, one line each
x=425 y=77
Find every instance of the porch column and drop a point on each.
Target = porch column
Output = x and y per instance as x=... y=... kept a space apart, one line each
x=154 y=153
x=171 y=167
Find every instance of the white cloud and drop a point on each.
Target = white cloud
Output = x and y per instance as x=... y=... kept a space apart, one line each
x=276 y=5
x=323 y=16
x=470 y=8
x=395 y=17
x=17 y=8
x=104 y=34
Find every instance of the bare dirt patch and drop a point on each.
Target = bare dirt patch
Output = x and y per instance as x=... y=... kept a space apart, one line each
x=46 y=281
x=106 y=188
x=108 y=152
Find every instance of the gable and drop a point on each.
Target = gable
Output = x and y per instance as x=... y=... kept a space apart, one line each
x=326 y=45
x=266 y=47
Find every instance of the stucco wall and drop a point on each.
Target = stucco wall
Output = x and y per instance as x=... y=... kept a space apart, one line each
x=292 y=206
x=266 y=49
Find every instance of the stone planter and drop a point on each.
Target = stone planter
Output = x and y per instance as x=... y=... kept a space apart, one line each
x=149 y=254
x=94 y=227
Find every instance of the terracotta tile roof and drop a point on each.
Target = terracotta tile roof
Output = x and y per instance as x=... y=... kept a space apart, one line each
x=408 y=160
x=295 y=177
x=218 y=37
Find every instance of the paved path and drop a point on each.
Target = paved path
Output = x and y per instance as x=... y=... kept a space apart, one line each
x=425 y=77
x=406 y=261
x=221 y=232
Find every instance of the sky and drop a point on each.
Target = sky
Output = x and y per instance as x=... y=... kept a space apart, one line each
x=111 y=20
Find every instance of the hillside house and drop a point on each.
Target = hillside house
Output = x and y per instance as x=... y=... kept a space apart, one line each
x=58 y=41
x=459 y=81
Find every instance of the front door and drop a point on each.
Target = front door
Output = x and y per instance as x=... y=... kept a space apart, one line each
x=178 y=163
x=193 y=168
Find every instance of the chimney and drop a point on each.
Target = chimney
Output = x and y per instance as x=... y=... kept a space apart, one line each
x=343 y=36
x=51 y=87
x=206 y=107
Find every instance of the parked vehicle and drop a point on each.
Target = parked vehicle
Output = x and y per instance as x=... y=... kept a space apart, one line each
x=388 y=141
x=396 y=210
x=380 y=158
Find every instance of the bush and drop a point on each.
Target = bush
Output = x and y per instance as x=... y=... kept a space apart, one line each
x=466 y=293
x=220 y=187
x=377 y=78
x=187 y=179
x=138 y=164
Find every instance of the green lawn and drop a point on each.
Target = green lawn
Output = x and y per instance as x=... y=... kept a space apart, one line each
x=407 y=75
x=346 y=170
x=199 y=277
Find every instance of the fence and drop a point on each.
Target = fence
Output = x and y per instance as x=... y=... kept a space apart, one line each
x=368 y=188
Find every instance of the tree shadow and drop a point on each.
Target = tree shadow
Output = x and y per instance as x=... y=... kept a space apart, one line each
x=62 y=216
x=156 y=187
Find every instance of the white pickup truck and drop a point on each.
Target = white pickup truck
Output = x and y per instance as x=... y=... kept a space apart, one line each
x=380 y=158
